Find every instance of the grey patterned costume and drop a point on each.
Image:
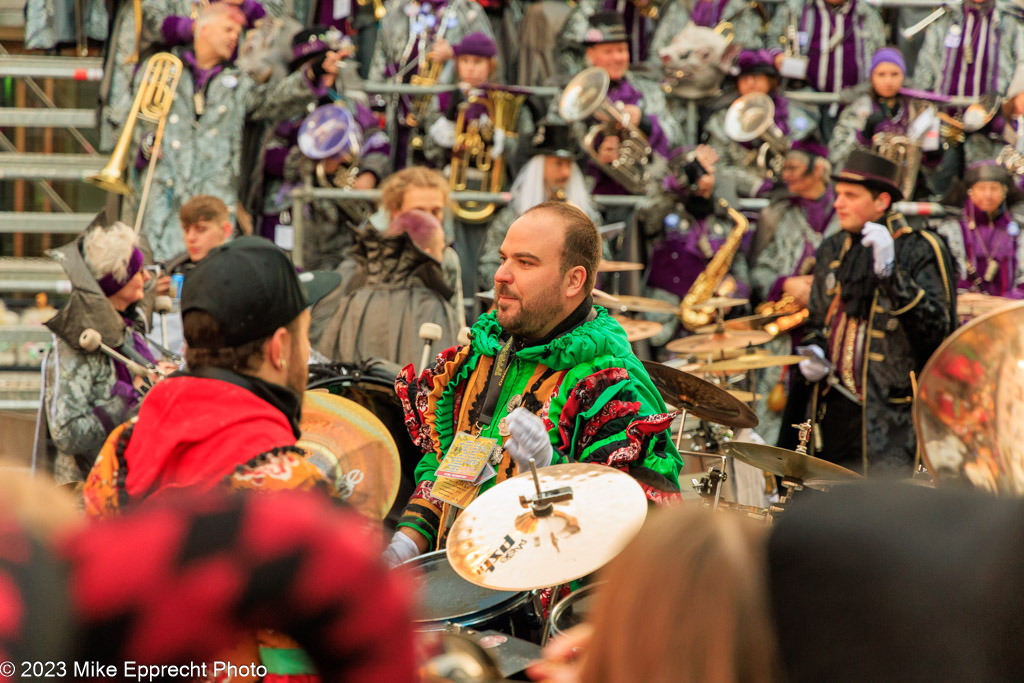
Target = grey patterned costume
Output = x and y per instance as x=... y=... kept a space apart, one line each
x=49 y=22
x=201 y=154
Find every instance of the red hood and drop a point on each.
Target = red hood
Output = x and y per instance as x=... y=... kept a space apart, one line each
x=194 y=432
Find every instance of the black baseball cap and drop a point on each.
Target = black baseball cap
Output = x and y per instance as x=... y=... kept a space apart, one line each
x=251 y=288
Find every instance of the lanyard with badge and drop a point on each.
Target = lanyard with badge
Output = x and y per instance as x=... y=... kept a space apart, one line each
x=471 y=459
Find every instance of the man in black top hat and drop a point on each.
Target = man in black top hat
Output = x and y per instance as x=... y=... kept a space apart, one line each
x=551 y=173
x=883 y=298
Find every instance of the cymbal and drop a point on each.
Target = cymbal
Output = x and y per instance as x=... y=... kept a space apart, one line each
x=637 y=330
x=811 y=471
x=974 y=304
x=718 y=341
x=745 y=396
x=618 y=266
x=498 y=543
x=746 y=322
x=699 y=397
x=722 y=302
x=353 y=448
x=636 y=304
x=751 y=361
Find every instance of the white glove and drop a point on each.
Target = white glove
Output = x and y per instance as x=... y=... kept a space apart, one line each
x=401 y=549
x=528 y=439
x=878 y=238
x=497 y=143
x=812 y=368
x=443 y=132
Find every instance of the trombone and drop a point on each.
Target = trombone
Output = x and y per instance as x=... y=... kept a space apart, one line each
x=152 y=103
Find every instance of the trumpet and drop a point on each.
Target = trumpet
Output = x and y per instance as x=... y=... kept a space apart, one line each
x=475 y=156
x=751 y=117
x=704 y=287
x=789 y=313
x=152 y=103
x=586 y=95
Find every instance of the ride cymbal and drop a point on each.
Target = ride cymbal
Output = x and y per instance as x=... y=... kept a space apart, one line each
x=699 y=397
x=499 y=542
x=812 y=472
x=638 y=330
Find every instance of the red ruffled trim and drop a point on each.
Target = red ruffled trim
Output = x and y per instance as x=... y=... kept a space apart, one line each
x=582 y=398
x=414 y=399
x=639 y=432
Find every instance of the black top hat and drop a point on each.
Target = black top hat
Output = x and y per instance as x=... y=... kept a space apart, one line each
x=554 y=140
x=872 y=171
x=605 y=27
x=316 y=40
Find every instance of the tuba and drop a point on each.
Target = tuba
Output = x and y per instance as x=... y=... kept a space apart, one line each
x=585 y=95
x=331 y=132
x=752 y=117
x=704 y=287
x=477 y=159
x=152 y=103
x=906 y=153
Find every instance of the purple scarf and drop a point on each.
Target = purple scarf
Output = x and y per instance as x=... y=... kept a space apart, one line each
x=122 y=377
x=980 y=35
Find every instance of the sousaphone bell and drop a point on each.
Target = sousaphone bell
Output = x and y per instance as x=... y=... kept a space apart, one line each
x=752 y=117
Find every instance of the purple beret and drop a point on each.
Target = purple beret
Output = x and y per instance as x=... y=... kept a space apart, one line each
x=810 y=146
x=477 y=44
x=756 y=62
x=888 y=55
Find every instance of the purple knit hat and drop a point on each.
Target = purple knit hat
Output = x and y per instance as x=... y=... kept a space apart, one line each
x=477 y=44
x=888 y=55
x=111 y=285
x=810 y=146
x=756 y=62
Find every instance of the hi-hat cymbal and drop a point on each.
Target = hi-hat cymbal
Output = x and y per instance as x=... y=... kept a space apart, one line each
x=499 y=543
x=722 y=302
x=718 y=341
x=813 y=472
x=637 y=330
x=636 y=304
x=699 y=397
x=353 y=448
x=751 y=361
x=618 y=266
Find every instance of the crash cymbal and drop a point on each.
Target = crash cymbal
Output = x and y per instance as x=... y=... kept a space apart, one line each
x=722 y=302
x=618 y=266
x=751 y=361
x=974 y=304
x=499 y=543
x=745 y=396
x=718 y=341
x=635 y=304
x=699 y=397
x=637 y=330
x=811 y=471
x=353 y=448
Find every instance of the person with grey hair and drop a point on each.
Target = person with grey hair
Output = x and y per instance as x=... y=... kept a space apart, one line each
x=87 y=393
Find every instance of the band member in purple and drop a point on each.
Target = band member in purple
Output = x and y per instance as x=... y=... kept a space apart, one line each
x=834 y=41
x=413 y=37
x=985 y=239
x=572 y=39
x=737 y=165
x=970 y=51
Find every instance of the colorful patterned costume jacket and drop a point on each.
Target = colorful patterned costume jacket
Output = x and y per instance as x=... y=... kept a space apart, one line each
x=595 y=397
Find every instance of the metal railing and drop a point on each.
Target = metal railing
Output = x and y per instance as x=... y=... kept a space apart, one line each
x=35 y=117
x=41 y=66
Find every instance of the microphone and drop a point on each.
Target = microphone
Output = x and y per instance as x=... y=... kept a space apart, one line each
x=90 y=340
x=163 y=305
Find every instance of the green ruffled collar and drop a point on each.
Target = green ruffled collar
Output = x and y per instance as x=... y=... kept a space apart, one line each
x=602 y=336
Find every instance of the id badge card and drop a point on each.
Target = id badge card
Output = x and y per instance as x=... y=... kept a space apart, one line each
x=464 y=468
x=794 y=67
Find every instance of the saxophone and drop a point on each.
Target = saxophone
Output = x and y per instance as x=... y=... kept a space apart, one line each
x=703 y=288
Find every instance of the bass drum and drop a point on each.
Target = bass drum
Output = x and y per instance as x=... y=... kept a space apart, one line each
x=444 y=597
x=373 y=387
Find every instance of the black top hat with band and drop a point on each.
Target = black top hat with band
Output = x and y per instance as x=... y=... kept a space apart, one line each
x=872 y=171
x=605 y=27
x=251 y=288
x=554 y=140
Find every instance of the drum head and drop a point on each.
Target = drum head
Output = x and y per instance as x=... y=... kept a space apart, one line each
x=444 y=596
x=573 y=609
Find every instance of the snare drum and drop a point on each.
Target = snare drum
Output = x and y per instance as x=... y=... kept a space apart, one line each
x=445 y=598
x=572 y=610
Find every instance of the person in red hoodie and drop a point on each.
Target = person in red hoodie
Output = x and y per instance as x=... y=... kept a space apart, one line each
x=245 y=319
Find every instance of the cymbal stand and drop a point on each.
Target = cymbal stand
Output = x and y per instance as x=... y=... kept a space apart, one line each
x=709 y=485
x=791 y=485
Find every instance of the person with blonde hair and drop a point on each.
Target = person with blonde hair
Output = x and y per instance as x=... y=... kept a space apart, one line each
x=697 y=609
